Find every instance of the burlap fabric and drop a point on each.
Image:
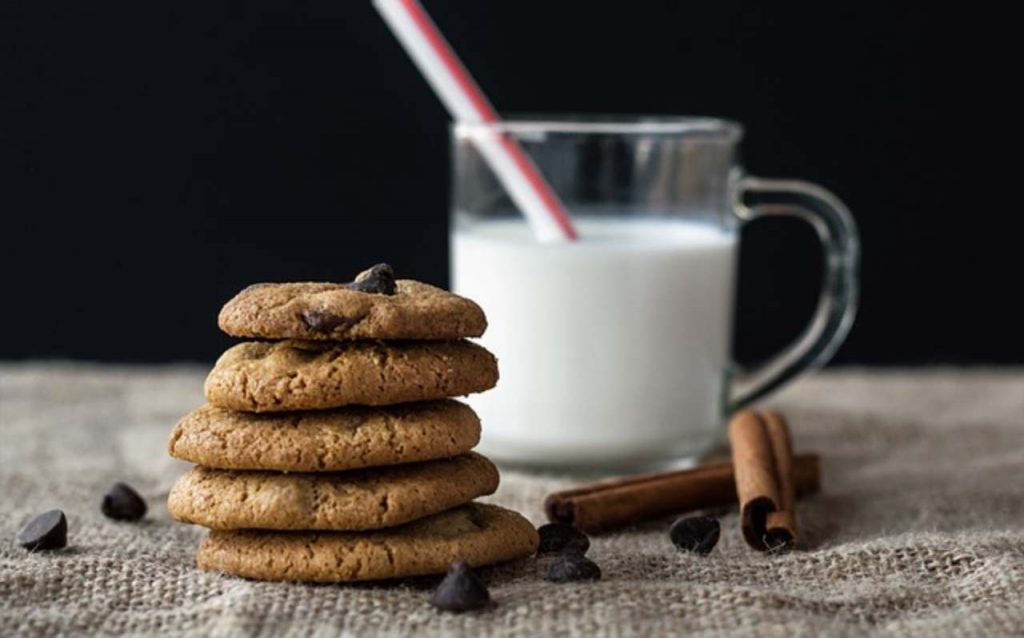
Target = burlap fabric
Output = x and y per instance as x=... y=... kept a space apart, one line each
x=919 y=530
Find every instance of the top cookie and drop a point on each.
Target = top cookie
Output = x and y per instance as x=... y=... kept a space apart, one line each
x=385 y=309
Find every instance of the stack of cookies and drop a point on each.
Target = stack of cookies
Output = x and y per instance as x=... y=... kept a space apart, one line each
x=331 y=450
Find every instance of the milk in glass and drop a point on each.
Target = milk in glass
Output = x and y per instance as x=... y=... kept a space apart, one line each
x=612 y=349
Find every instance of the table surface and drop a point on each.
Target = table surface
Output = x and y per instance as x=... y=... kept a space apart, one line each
x=919 y=528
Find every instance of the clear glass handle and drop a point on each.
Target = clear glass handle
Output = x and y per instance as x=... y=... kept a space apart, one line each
x=837 y=305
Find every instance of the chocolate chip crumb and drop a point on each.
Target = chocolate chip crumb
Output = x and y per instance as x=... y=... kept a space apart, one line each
x=562 y=537
x=698 y=534
x=122 y=503
x=49 y=530
x=571 y=566
x=379 y=279
x=461 y=590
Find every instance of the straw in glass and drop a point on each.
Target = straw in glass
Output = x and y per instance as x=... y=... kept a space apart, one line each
x=463 y=98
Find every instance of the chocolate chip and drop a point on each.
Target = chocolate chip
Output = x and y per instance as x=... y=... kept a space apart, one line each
x=122 y=503
x=461 y=590
x=698 y=534
x=476 y=517
x=571 y=566
x=49 y=530
x=379 y=279
x=322 y=321
x=562 y=537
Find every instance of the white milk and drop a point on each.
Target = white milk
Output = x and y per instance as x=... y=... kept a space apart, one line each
x=613 y=349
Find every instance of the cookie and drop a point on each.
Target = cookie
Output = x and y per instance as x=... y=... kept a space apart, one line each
x=335 y=311
x=357 y=500
x=478 y=534
x=310 y=375
x=325 y=440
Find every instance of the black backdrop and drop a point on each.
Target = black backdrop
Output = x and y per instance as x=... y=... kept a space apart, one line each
x=158 y=156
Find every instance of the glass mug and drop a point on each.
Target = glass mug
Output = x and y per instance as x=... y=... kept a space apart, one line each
x=614 y=350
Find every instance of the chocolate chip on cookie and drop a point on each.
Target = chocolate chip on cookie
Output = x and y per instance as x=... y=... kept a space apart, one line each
x=322 y=321
x=379 y=279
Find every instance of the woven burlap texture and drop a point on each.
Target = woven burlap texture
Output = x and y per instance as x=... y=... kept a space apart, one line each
x=919 y=529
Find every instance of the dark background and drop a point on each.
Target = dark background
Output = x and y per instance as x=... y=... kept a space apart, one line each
x=155 y=157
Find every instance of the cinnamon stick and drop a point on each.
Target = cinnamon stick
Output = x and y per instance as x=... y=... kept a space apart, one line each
x=625 y=501
x=763 y=459
x=780 y=526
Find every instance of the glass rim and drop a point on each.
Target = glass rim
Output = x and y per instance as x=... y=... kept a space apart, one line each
x=608 y=124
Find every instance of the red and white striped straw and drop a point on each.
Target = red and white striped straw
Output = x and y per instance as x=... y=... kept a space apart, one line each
x=465 y=101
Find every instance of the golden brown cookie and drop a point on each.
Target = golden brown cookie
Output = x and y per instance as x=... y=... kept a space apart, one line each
x=479 y=534
x=310 y=375
x=325 y=440
x=356 y=500
x=337 y=312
